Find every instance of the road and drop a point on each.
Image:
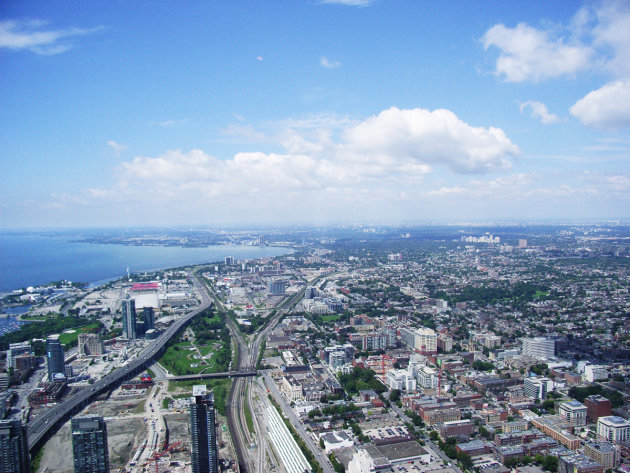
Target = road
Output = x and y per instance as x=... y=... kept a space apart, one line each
x=46 y=422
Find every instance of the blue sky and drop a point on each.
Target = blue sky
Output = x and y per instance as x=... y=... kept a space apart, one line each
x=136 y=113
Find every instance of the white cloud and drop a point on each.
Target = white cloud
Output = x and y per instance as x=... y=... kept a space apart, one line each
x=619 y=182
x=259 y=58
x=607 y=107
x=432 y=138
x=597 y=38
x=327 y=64
x=531 y=54
x=540 y=112
x=30 y=35
x=326 y=163
x=612 y=35
x=118 y=148
x=396 y=148
x=518 y=187
x=350 y=3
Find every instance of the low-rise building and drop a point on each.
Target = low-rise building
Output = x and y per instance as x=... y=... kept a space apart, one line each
x=475 y=448
x=553 y=426
x=439 y=416
x=509 y=451
x=514 y=426
x=336 y=440
x=456 y=428
x=578 y=463
x=604 y=453
x=291 y=388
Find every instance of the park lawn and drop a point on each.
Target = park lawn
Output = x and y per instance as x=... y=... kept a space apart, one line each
x=69 y=338
x=330 y=318
x=178 y=359
x=207 y=349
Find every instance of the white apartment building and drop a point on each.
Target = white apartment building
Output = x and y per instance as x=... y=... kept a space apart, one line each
x=401 y=380
x=425 y=340
x=427 y=377
x=538 y=347
x=537 y=387
x=613 y=429
x=594 y=373
x=574 y=412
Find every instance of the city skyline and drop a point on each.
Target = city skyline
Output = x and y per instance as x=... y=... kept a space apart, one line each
x=313 y=112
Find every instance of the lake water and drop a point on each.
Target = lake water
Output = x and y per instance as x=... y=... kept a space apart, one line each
x=30 y=259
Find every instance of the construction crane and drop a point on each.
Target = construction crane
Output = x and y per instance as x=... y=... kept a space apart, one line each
x=157 y=456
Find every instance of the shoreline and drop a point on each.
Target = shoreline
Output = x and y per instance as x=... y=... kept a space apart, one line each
x=97 y=270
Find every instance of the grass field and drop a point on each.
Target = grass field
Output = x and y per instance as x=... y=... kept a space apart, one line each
x=179 y=358
x=70 y=338
x=331 y=318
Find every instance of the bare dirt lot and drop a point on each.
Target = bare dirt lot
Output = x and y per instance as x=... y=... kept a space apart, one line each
x=124 y=434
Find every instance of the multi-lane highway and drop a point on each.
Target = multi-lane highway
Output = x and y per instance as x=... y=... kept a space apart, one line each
x=42 y=425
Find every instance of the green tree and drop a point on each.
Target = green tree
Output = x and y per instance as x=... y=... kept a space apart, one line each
x=465 y=460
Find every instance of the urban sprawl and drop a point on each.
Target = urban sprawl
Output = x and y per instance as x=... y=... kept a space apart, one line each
x=364 y=349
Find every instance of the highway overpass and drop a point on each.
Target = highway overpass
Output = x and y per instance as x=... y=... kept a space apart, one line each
x=242 y=373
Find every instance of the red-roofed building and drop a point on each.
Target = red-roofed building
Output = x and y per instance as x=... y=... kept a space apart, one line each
x=145 y=286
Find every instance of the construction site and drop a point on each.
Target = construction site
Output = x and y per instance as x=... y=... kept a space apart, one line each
x=148 y=430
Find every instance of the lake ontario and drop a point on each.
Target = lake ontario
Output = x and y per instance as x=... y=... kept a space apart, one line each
x=30 y=259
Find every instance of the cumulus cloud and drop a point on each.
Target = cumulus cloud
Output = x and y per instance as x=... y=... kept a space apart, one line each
x=322 y=161
x=611 y=34
x=540 y=112
x=327 y=64
x=431 y=138
x=32 y=36
x=596 y=38
x=259 y=58
x=606 y=107
x=531 y=54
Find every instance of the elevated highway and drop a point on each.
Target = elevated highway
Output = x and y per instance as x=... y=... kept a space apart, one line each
x=44 y=425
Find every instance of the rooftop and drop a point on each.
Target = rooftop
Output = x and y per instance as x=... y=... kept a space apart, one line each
x=616 y=420
x=402 y=451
